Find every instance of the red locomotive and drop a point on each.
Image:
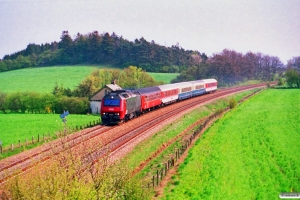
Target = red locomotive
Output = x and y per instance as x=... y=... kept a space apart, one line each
x=123 y=105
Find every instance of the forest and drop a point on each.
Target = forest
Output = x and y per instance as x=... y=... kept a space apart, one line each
x=228 y=67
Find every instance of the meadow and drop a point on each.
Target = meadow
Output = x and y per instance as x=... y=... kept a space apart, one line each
x=15 y=127
x=43 y=79
x=146 y=148
x=165 y=77
x=250 y=153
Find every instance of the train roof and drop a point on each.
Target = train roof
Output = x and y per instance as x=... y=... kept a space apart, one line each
x=148 y=90
x=168 y=87
x=210 y=80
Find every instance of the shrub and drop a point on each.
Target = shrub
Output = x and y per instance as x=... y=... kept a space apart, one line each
x=232 y=103
x=65 y=178
x=280 y=82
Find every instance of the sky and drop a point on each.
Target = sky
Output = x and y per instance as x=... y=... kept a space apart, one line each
x=271 y=27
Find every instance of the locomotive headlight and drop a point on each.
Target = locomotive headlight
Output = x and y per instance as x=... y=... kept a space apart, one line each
x=117 y=114
x=103 y=113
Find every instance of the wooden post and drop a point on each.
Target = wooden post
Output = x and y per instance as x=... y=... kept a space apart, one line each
x=38 y=137
x=1 y=149
x=166 y=168
x=153 y=181
x=157 y=176
x=26 y=142
x=19 y=143
x=12 y=146
x=32 y=139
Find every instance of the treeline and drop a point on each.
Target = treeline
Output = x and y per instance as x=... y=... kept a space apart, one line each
x=95 y=48
x=32 y=102
x=293 y=72
x=230 y=67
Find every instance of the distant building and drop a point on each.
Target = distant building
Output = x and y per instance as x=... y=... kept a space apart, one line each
x=95 y=100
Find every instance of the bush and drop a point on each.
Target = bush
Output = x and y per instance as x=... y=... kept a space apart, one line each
x=65 y=178
x=232 y=103
x=280 y=82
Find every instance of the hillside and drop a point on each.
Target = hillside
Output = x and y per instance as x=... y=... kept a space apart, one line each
x=43 y=79
x=103 y=49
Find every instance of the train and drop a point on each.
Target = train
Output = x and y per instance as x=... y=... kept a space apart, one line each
x=122 y=105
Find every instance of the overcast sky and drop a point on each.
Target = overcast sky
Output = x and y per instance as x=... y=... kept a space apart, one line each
x=268 y=26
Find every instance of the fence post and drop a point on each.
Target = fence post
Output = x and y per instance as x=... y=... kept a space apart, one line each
x=12 y=146
x=166 y=168
x=1 y=150
x=26 y=142
x=157 y=176
x=153 y=181
x=32 y=139
x=38 y=137
x=19 y=143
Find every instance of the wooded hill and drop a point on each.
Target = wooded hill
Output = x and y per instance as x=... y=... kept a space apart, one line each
x=228 y=66
x=95 y=48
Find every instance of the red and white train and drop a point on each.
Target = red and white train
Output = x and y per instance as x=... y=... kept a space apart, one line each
x=122 y=105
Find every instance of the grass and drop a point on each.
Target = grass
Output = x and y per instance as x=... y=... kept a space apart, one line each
x=15 y=127
x=146 y=148
x=251 y=153
x=165 y=77
x=43 y=79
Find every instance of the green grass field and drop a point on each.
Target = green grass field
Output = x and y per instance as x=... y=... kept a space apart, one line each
x=165 y=77
x=146 y=148
x=251 y=153
x=43 y=79
x=15 y=127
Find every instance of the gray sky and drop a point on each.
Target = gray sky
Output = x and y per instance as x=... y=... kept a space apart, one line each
x=267 y=26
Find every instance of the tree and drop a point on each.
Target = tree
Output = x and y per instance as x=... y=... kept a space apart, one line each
x=294 y=63
x=293 y=78
x=58 y=91
x=3 y=102
x=3 y=66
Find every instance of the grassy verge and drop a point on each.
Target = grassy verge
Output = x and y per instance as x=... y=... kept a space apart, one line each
x=147 y=147
x=251 y=153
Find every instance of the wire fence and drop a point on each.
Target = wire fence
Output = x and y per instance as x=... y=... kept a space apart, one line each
x=178 y=152
x=41 y=138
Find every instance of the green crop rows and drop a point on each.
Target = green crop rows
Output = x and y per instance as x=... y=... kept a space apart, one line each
x=251 y=153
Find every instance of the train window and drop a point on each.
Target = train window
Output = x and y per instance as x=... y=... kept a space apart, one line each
x=111 y=102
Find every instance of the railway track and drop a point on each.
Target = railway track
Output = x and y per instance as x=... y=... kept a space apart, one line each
x=111 y=138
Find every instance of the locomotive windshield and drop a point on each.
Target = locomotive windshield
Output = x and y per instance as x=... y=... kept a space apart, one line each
x=111 y=102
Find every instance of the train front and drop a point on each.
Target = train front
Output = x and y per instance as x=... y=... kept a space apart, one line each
x=112 y=109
